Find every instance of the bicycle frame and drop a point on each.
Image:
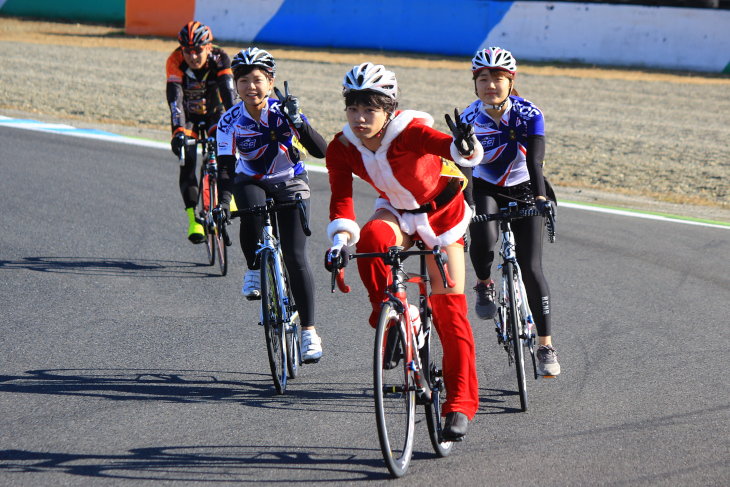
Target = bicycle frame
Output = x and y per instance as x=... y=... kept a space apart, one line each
x=280 y=315
x=507 y=252
x=270 y=240
x=397 y=297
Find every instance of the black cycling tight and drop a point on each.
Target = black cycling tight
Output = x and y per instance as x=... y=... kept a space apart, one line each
x=293 y=245
x=528 y=233
x=188 y=181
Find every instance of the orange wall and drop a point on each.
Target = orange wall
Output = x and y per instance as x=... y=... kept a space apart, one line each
x=158 y=17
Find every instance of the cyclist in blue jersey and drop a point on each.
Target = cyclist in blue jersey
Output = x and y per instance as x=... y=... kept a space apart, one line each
x=258 y=160
x=512 y=133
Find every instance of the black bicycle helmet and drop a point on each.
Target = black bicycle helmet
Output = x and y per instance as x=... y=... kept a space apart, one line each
x=195 y=34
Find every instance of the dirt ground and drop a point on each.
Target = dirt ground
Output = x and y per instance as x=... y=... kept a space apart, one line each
x=638 y=138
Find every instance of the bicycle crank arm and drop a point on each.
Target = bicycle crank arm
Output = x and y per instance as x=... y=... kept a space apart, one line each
x=400 y=389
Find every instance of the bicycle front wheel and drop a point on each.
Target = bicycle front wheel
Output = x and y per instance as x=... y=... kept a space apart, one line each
x=432 y=354
x=273 y=312
x=204 y=211
x=293 y=347
x=515 y=328
x=394 y=387
x=220 y=245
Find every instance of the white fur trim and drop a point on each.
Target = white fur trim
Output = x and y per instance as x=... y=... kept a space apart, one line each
x=411 y=223
x=344 y=225
x=457 y=231
x=377 y=164
x=475 y=158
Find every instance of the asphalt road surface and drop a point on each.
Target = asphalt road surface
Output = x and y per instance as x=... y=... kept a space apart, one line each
x=126 y=360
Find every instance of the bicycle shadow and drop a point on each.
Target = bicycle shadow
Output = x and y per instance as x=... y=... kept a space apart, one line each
x=190 y=386
x=208 y=463
x=110 y=267
x=494 y=401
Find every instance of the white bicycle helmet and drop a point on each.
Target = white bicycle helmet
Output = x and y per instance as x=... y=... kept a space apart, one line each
x=494 y=58
x=253 y=56
x=372 y=77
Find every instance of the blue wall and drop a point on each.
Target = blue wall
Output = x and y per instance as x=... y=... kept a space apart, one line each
x=428 y=26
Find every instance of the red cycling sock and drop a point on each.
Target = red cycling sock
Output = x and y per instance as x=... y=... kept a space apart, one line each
x=459 y=365
x=375 y=236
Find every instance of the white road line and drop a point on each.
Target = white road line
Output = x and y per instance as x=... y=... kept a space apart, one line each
x=639 y=214
x=108 y=136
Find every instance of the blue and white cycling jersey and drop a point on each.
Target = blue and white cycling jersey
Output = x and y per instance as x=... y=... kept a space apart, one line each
x=504 y=143
x=264 y=149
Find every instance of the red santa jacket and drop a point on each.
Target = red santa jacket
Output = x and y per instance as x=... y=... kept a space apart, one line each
x=406 y=172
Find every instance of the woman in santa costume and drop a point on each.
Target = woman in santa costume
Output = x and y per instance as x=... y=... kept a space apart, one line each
x=400 y=155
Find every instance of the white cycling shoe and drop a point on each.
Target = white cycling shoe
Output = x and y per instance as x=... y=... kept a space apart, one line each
x=252 y=285
x=311 y=346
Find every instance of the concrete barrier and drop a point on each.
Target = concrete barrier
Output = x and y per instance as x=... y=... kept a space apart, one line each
x=107 y=11
x=602 y=34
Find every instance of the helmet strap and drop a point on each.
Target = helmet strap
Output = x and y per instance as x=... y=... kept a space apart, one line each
x=504 y=102
x=385 y=125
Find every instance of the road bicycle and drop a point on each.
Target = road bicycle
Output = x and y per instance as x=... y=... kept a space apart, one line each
x=208 y=211
x=514 y=323
x=279 y=315
x=406 y=374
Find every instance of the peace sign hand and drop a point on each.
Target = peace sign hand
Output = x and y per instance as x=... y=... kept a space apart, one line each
x=464 y=138
x=289 y=105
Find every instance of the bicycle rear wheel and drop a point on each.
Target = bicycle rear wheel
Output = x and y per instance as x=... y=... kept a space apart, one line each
x=204 y=211
x=272 y=310
x=293 y=347
x=431 y=358
x=515 y=328
x=220 y=245
x=395 y=398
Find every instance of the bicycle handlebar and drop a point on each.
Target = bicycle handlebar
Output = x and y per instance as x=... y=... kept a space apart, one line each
x=271 y=207
x=506 y=214
x=190 y=141
x=394 y=256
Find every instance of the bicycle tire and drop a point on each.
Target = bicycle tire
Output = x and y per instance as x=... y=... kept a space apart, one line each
x=395 y=397
x=272 y=312
x=516 y=329
x=220 y=245
x=431 y=358
x=293 y=347
x=205 y=214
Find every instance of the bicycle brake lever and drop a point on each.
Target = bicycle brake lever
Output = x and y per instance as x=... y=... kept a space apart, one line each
x=303 y=218
x=338 y=277
x=442 y=258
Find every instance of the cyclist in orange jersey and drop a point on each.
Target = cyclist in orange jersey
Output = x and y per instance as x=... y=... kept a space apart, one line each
x=199 y=89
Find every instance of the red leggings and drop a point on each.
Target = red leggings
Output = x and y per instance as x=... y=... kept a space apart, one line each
x=449 y=317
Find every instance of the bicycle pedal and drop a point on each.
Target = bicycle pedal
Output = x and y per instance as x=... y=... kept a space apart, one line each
x=455 y=440
x=547 y=376
x=311 y=361
x=253 y=298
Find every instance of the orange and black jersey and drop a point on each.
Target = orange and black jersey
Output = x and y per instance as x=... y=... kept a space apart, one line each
x=199 y=95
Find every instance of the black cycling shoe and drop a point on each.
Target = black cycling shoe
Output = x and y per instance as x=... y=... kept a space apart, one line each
x=485 y=307
x=455 y=427
x=392 y=355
